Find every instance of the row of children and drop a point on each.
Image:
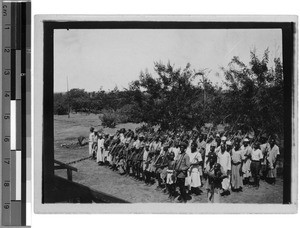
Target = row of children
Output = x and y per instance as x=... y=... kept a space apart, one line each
x=187 y=161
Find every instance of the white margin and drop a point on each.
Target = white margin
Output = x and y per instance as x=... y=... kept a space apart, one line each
x=153 y=208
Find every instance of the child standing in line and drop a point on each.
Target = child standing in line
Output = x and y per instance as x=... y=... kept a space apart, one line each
x=91 y=141
x=171 y=176
x=148 y=168
x=256 y=159
x=214 y=178
x=94 y=145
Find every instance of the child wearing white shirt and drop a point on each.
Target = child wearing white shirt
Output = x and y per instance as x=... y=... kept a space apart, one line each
x=256 y=159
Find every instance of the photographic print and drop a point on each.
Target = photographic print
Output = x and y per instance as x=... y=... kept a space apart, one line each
x=167 y=113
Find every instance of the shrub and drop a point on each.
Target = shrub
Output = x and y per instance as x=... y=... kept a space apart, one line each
x=129 y=113
x=81 y=141
x=108 y=118
x=60 y=110
x=111 y=118
x=60 y=104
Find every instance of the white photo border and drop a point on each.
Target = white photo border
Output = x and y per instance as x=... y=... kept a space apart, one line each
x=154 y=208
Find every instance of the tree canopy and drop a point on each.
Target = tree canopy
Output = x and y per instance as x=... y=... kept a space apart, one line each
x=175 y=98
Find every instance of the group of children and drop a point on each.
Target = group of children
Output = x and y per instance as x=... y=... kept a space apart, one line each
x=187 y=161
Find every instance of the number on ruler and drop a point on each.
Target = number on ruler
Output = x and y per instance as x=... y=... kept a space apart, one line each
x=6 y=94
x=6 y=184
x=7 y=50
x=7 y=72
x=6 y=206
x=7 y=161
x=4 y=10
x=6 y=139
x=6 y=117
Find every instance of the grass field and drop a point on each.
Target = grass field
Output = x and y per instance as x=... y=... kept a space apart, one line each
x=103 y=179
x=67 y=130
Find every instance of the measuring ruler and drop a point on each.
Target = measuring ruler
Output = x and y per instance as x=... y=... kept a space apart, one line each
x=16 y=151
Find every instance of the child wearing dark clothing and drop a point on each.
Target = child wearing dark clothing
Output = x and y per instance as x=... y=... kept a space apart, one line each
x=170 y=182
x=148 y=169
x=215 y=178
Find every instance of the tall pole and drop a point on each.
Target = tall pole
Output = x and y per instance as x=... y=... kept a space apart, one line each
x=204 y=95
x=68 y=98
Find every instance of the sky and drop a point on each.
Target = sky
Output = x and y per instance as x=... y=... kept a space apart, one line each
x=91 y=59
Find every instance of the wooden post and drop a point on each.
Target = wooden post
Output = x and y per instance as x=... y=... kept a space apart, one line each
x=68 y=97
x=69 y=173
x=204 y=95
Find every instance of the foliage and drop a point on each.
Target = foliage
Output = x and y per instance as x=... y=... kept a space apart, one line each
x=171 y=100
x=108 y=119
x=60 y=104
x=130 y=113
x=255 y=93
x=175 y=98
x=78 y=100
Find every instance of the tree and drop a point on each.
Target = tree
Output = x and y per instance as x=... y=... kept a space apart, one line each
x=78 y=100
x=60 y=104
x=169 y=100
x=178 y=98
x=255 y=93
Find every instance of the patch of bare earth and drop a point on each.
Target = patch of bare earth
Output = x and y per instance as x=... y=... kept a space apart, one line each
x=125 y=187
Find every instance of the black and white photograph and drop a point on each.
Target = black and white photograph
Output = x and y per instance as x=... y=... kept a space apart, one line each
x=167 y=112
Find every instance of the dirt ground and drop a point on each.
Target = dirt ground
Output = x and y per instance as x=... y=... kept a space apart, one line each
x=125 y=187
